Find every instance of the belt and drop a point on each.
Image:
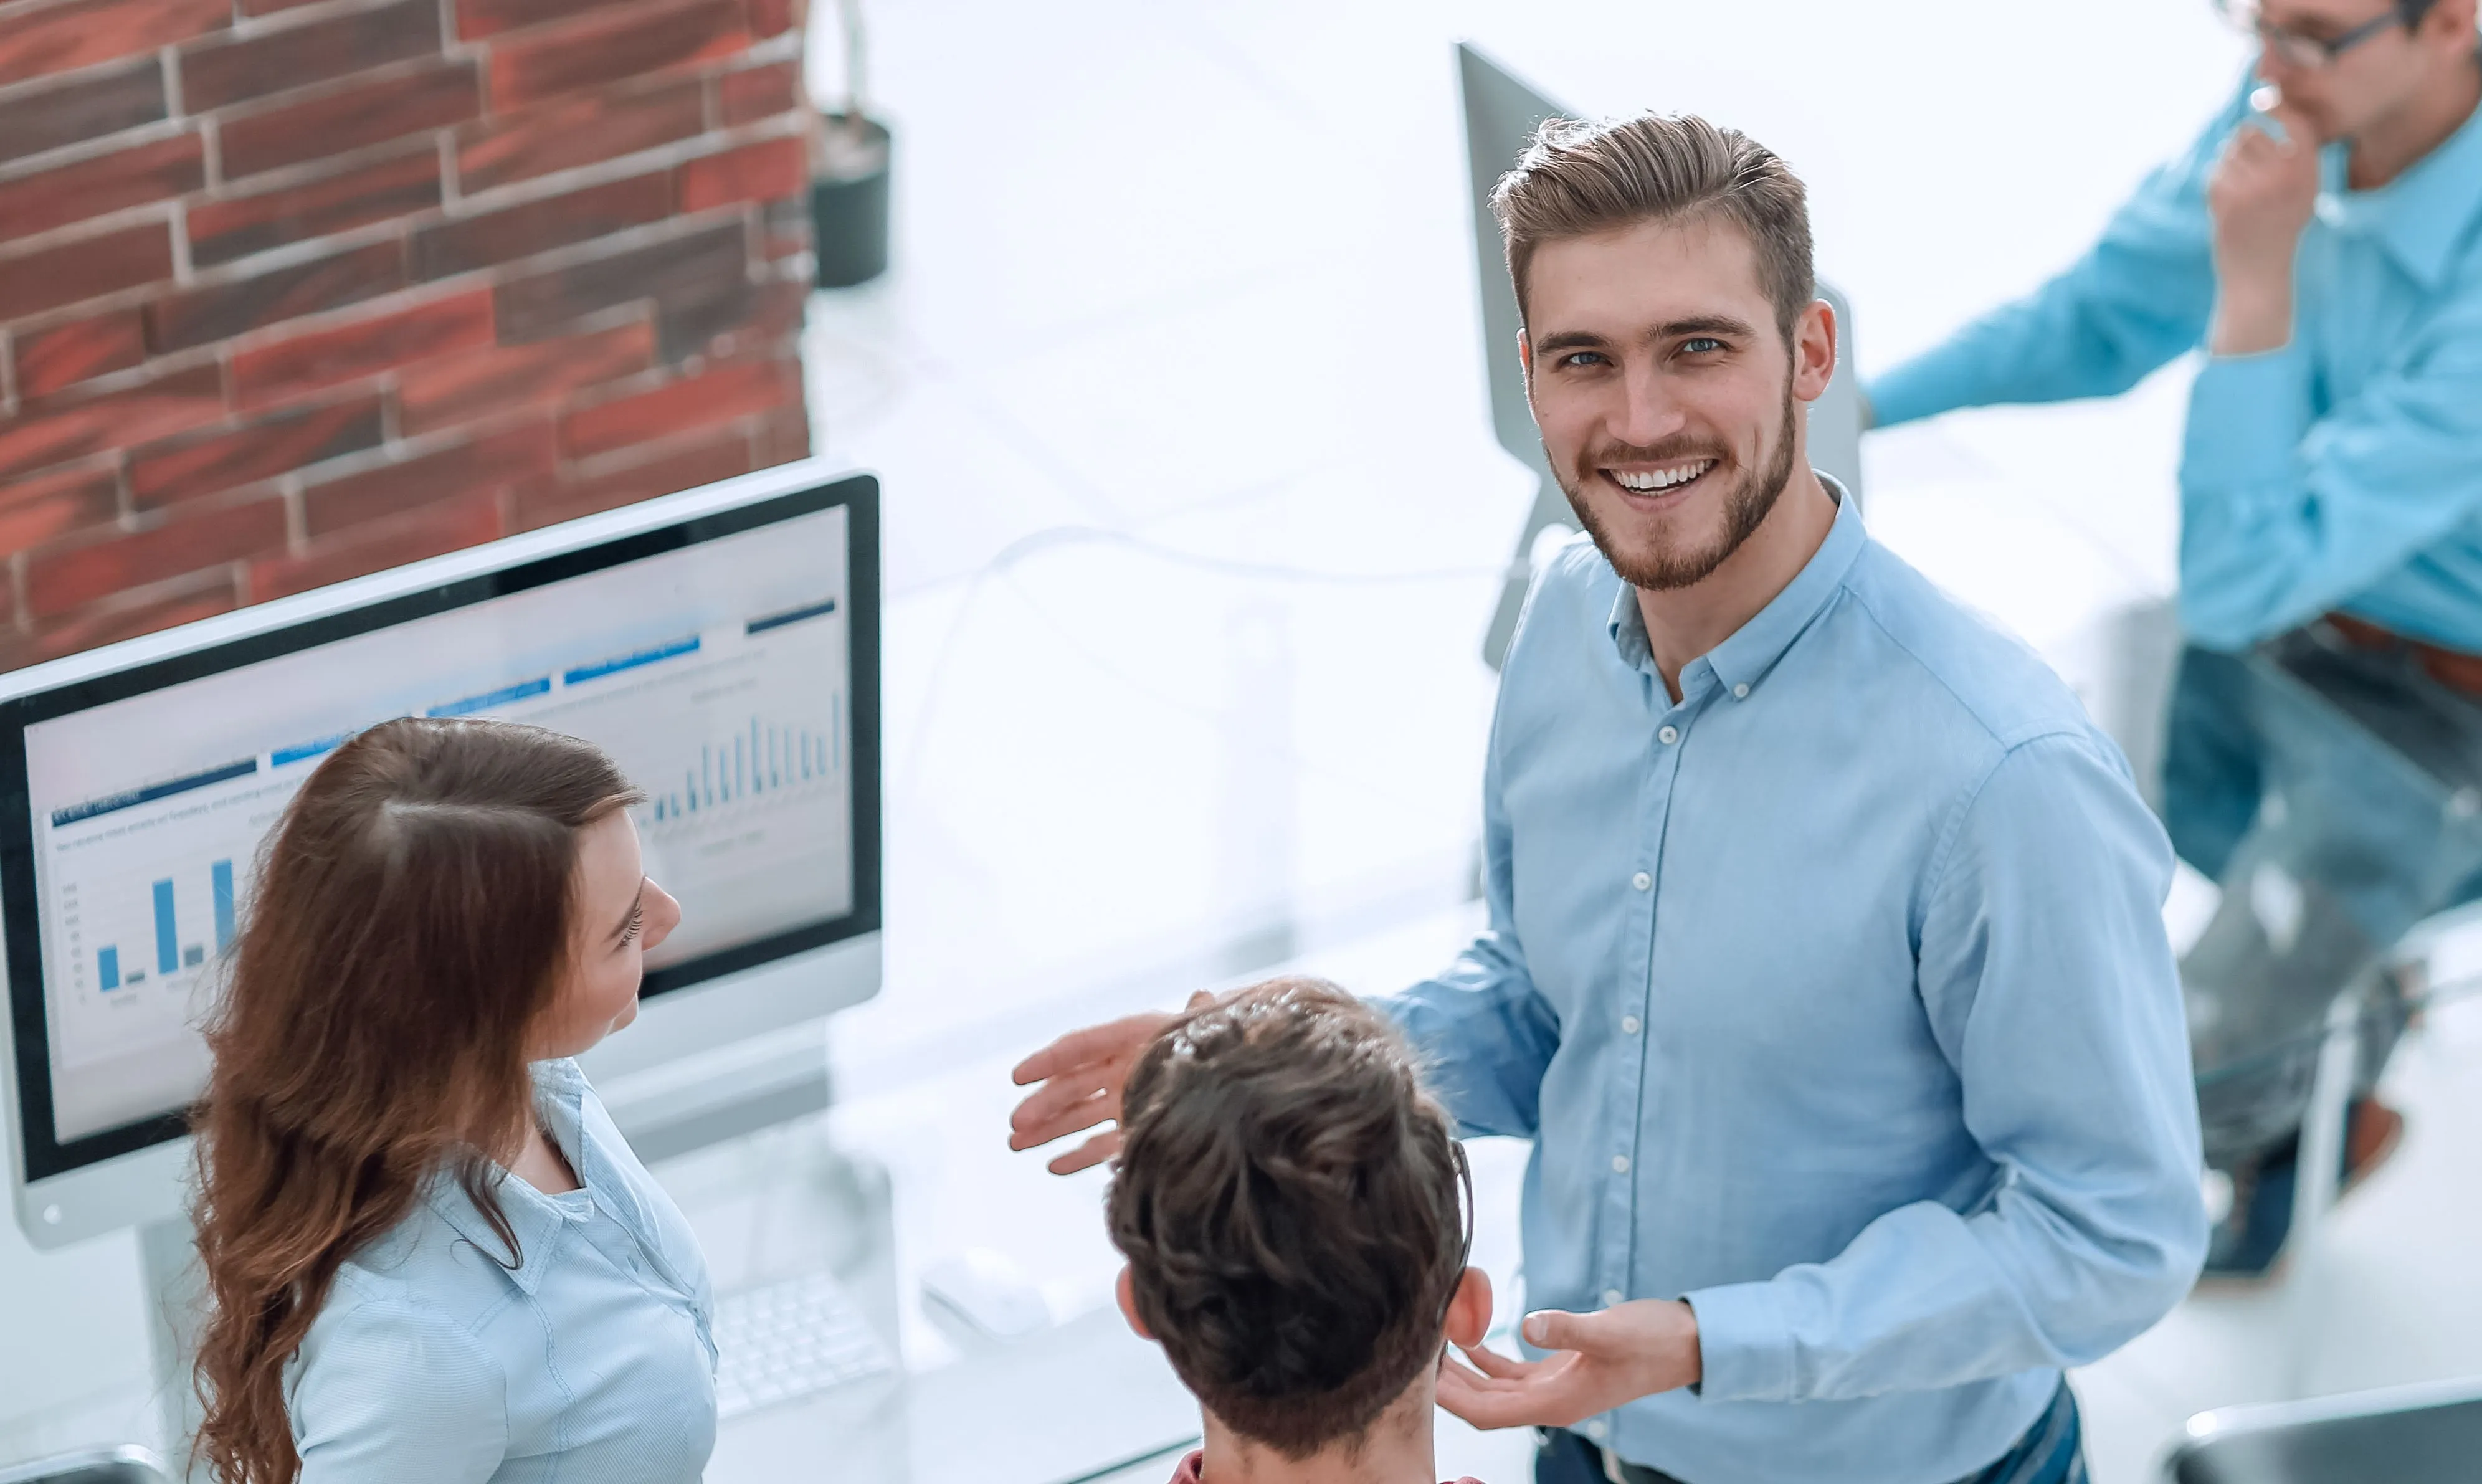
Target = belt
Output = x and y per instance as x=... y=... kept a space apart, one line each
x=2455 y=669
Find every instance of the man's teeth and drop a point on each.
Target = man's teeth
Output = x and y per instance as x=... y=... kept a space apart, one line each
x=1662 y=478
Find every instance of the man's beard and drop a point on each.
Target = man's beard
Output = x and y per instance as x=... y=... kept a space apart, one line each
x=1745 y=507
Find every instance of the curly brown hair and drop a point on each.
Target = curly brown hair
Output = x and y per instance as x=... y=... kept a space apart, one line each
x=1286 y=1196
x=407 y=930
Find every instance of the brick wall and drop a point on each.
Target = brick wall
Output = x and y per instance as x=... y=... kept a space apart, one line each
x=292 y=292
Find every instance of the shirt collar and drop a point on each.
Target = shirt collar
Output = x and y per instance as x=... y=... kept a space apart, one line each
x=1753 y=649
x=2423 y=216
x=536 y=1220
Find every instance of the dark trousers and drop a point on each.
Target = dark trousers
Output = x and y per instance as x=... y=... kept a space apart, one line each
x=2051 y=1452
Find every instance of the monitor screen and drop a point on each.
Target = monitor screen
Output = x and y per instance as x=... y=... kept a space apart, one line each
x=715 y=660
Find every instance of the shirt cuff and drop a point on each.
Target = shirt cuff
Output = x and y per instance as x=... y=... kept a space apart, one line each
x=2247 y=417
x=1744 y=1343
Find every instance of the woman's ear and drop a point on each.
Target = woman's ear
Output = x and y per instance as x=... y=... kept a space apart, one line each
x=1470 y=1310
x=1127 y=1293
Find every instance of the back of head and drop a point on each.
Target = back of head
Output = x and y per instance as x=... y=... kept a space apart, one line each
x=1287 y=1199
x=407 y=928
x=1577 y=179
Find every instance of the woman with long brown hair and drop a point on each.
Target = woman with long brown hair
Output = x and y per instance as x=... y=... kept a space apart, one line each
x=431 y=1256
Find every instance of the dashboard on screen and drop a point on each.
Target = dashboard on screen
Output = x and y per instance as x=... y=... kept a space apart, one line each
x=714 y=661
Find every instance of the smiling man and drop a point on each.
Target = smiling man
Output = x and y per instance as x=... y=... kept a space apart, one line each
x=1826 y=964
x=2321 y=240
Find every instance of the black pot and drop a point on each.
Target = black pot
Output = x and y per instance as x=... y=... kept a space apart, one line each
x=849 y=202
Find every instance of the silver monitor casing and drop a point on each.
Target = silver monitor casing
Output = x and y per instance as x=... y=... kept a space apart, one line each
x=1501 y=113
x=703 y=1062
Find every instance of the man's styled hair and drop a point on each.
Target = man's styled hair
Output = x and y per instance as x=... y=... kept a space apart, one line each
x=1286 y=1196
x=1578 y=178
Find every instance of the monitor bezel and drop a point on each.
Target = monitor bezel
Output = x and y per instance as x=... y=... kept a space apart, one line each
x=42 y=1153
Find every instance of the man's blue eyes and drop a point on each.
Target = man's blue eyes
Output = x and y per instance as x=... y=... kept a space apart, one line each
x=1695 y=345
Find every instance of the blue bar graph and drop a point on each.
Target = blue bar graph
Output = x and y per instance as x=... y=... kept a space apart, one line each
x=221 y=889
x=762 y=757
x=168 y=943
x=107 y=967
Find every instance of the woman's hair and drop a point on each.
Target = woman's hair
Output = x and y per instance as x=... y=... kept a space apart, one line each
x=1286 y=1196
x=409 y=928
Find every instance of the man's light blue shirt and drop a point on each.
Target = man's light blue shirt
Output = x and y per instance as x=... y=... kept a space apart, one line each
x=589 y=1360
x=2344 y=471
x=1836 y=999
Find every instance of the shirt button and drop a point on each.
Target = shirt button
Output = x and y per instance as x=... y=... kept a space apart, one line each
x=1741 y=692
x=1642 y=881
x=1668 y=735
x=1595 y=1429
x=1628 y=1025
x=1620 y=1164
x=1612 y=1298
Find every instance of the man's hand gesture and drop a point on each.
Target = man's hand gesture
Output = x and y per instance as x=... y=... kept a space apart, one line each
x=1598 y=1360
x=1082 y=1074
x=2260 y=196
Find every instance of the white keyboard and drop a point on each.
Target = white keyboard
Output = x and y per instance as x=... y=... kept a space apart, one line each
x=790 y=1339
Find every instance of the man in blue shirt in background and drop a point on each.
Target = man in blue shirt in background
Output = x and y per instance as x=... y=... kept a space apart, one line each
x=1826 y=964
x=2322 y=240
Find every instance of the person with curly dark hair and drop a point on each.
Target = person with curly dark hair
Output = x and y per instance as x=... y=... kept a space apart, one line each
x=1288 y=1199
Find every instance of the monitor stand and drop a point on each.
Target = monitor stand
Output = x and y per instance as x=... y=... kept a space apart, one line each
x=176 y=1290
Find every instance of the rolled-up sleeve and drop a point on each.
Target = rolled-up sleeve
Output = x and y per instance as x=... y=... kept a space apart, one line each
x=2286 y=513
x=2051 y=987
x=386 y=1393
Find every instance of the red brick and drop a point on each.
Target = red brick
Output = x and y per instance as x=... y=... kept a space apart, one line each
x=202 y=595
x=770 y=170
x=227 y=309
x=468 y=242
x=774 y=17
x=326 y=358
x=452 y=525
x=784 y=227
x=734 y=390
x=64 y=578
x=65 y=355
x=89 y=105
x=229 y=68
x=350 y=118
x=90 y=188
x=499 y=461
x=56 y=430
x=256 y=8
x=706 y=259
x=579 y=131
x=39 y=39
x=189 y=467
x=222 y=230
x=683 y=464
x=478 y=18
x=604 y=49
x=460 y=389
x=759 y=93
x=106 y=263
x=781 y=436
x=48 y=506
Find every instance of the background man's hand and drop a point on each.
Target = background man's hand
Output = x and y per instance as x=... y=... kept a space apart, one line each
x=2260 y=196
x=1082 y=1074
x=1598 y=1362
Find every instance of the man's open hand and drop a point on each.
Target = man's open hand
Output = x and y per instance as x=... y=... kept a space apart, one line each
x=1082 y=1074
x=2260 y=196
x=1598 y=1360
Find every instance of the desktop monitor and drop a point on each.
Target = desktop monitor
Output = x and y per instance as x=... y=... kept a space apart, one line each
x=721 y=643
x=1501 y=113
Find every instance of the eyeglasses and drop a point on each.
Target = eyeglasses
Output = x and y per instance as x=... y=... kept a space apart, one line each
x=2310 y=52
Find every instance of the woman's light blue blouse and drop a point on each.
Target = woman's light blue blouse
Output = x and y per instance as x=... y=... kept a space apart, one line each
x=436 y=1360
